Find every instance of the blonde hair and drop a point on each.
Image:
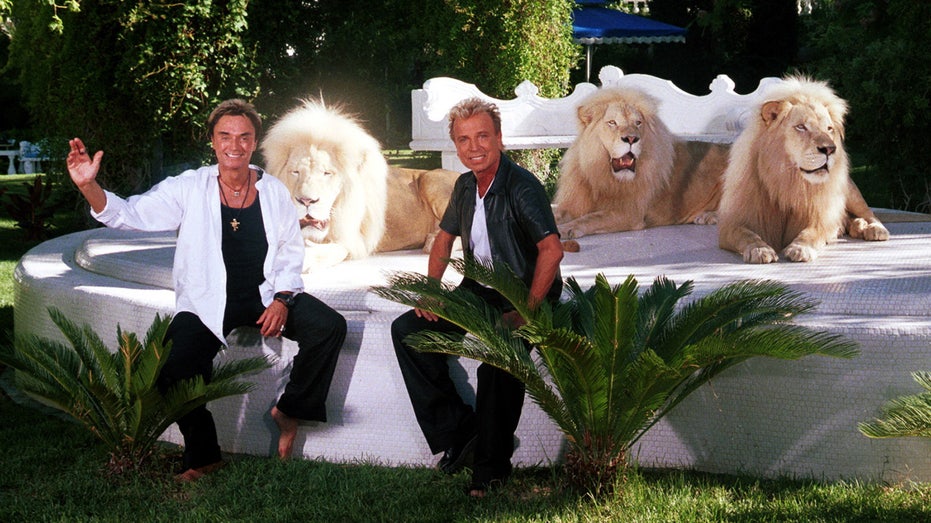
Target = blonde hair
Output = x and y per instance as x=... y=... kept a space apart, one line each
x=471 y=107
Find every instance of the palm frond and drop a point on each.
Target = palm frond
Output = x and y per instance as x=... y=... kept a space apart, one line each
x=90 y=349
x=618 y=362
x=154 y=354
x=739 y=305
x=906 y=416
x=657 y=308
x=52 y=374
x=114 y=394
x=455 y=305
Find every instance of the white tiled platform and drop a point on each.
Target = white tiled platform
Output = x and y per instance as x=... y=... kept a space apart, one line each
x=764 y=417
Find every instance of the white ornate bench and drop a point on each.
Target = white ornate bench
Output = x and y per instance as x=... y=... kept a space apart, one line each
x=531 y=122
x=769 y=418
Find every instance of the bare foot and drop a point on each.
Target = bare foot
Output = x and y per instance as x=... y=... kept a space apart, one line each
x=288 y=427
x=194 y=474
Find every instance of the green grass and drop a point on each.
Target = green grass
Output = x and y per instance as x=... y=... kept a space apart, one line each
x=13 y=245
x=413 y=159
x=52 y=470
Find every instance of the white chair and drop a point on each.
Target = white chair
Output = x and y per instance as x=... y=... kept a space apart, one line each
x=29 y=157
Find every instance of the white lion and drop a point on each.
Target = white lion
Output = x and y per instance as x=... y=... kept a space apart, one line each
x=626 y=170
x=787 y=187
x=341 y=184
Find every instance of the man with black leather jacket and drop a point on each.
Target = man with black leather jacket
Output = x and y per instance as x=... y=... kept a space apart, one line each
x=502 y=213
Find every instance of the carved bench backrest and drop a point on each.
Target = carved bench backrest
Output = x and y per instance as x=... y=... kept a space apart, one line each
x=532 y=122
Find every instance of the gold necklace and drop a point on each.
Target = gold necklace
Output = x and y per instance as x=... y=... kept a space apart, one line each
x=234 y=223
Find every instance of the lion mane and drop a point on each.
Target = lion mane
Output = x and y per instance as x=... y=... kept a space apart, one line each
x=627 y=171
x=787 y=186
x=341 y=183
x=336 y=173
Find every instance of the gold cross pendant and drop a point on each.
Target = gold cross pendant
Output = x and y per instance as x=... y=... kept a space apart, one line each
x=234 y=223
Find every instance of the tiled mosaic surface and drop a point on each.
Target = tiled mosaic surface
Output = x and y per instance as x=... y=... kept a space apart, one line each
x=764 y=417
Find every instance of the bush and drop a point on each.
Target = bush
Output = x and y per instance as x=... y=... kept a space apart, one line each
x=33 y=212
x=113 y=393
x=612 y=360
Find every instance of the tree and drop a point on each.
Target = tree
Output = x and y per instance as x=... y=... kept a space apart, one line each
x=613 y=362
x=365 y=56
x=875 y=54
x=496 y=45
x=369 y=55
x=114 y=394
x=135 y=78
x=745 y=39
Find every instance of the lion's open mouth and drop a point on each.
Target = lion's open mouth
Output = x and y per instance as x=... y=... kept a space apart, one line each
x=628 y=162
x=309 y=221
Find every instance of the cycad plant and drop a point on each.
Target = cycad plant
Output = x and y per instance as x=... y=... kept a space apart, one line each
x=612 y=362
x=114 y=394
x=904 y=416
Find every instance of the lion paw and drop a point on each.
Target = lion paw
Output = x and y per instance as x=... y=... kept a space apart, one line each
x=875 y=232
x=571 y=246
x=322 y=255
x=799 y=252
x=569 y=233
x=760 y=255
x=706 y=218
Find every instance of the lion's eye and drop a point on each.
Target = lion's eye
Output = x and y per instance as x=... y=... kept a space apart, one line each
x=638 y=123
x=328 y=173
x=830 y=129
x=612 y=123
x=801 y=127
x=295 y=173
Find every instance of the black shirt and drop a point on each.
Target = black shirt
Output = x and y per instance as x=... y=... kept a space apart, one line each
x=244 y=250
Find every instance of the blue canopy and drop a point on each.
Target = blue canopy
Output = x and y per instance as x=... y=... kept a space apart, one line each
x=601 y=25
x=593 y=24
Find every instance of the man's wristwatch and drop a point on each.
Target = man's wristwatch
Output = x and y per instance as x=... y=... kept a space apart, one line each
x=286 y=298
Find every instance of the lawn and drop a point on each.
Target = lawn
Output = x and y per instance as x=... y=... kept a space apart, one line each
x=52 y=470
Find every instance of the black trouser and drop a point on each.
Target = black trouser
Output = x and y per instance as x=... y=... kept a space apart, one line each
x=445 y=419
x=319 y=331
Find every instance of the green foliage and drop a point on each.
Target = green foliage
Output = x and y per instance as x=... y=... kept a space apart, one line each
x=365 y=56
x=369 y=55
x=496 y=45
x=744 y=39
x=135 y=78
x=544 y=163
x=114 y=394
x=33 y=211
x=904 y=416
x=613 y=362
x=887 y=81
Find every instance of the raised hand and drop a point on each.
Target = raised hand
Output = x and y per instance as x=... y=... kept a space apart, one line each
x=82 y=168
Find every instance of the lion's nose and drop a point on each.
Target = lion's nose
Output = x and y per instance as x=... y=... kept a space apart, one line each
x=306 y=202
x=631 y=139
x=828 y=149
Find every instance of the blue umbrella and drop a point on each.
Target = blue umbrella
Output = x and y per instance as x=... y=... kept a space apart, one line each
x=593 y=24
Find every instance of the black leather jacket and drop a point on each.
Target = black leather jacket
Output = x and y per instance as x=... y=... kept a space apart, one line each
x=518 y=215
